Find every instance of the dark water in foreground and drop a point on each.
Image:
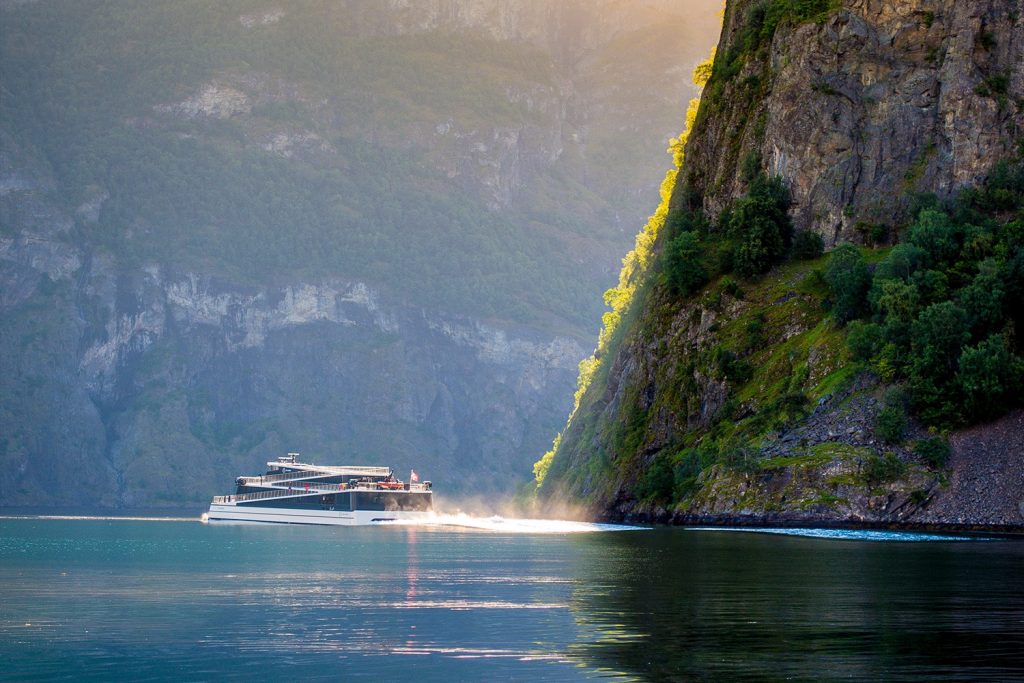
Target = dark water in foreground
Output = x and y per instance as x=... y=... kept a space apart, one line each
x=145 y=600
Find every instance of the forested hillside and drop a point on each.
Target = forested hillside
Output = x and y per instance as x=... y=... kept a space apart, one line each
x=371 y=232
x=263 y=142
x=746 y=376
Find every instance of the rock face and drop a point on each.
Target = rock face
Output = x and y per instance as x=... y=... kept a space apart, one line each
x=987 y=482
x=214 y=100
x=856 y=109
x=156 y=388
x=876 y=101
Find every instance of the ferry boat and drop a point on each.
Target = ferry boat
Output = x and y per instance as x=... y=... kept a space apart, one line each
x=292 y=492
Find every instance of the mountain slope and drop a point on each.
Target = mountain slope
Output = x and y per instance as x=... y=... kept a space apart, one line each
x=230 y=230
x=403 y=146
x=750 y=378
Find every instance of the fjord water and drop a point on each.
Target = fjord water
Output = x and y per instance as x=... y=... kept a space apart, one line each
x=163 y=600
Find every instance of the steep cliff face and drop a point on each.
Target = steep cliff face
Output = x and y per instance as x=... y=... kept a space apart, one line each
x=859 y=109
x=741 y=402
x=121 y=384
x=233 y=230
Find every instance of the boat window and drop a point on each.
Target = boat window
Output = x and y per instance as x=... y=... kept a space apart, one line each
x=390 y=501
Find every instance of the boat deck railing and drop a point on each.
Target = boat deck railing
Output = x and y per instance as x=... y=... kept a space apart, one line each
x=287 y=476
x=314 y=472
x=314 y=489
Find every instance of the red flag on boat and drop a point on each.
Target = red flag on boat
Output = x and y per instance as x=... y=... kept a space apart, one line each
x=413 y=477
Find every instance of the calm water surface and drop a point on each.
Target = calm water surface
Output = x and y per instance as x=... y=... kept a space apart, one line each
x=146 y=600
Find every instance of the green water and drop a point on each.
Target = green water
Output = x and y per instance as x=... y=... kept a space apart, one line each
x=143 y=600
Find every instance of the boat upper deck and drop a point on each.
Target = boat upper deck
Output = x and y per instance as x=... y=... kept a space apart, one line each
x=300 y=471
x=288 y=477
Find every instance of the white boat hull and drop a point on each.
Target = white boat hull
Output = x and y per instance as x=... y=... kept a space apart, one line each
x=252 y=513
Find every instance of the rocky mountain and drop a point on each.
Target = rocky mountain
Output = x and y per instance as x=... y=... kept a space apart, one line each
x=860 y=112
x=747 y=378
x=364 y=231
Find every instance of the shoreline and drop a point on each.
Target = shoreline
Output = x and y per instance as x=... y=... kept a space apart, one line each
x=1015 y=531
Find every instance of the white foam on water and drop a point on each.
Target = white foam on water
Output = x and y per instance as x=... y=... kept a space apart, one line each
x=850 y=534
x=500 y=524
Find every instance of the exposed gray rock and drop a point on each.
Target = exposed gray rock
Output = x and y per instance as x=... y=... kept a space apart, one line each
x=882 y=100
x=270 y=16
x=89 y=210
x=214 y=100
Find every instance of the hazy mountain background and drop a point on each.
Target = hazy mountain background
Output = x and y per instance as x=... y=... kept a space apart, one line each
x=372 y=232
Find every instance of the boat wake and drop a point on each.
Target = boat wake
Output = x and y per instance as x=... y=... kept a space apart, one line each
x=460 y=520
x=506 y=525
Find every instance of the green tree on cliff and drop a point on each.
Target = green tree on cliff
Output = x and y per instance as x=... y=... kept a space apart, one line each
x=684 y=267
x=760 y=224
x=848 y=279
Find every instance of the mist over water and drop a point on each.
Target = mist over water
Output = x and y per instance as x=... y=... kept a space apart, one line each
x=497 y=599
x=497 y=523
